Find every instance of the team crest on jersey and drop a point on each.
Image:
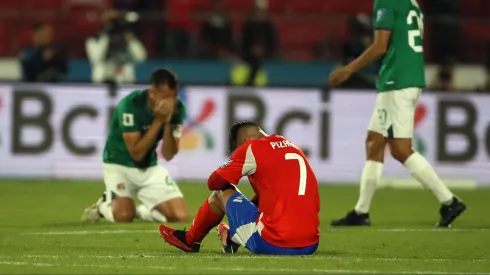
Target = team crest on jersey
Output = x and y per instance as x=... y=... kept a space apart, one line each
x=226 y=164
x=121 y=186
x=380 y=14
x=128 y=119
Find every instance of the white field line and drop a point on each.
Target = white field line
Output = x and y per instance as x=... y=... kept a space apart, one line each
x=127 y=231
x=243 y=269
x=232 y=257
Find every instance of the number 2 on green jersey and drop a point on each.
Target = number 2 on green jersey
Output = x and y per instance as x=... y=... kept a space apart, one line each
x=413 y=34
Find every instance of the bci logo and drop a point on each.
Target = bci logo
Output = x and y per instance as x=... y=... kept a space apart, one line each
x=474 y=129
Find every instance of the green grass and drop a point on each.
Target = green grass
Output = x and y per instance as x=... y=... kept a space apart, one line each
x=40 y=232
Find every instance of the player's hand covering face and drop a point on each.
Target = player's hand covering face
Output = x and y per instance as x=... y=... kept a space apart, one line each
x=164 y=100
x=164 y=109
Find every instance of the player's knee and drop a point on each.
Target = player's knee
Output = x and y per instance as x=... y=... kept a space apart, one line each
x=217 y=202
x=374 y=148
x=178 y=216
x=214 y=198
x=401 y=153
x=123 y=209
x=126 y=215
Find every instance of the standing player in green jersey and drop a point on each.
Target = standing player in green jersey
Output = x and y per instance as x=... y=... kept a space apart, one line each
x=130 y=169
x=398 y=41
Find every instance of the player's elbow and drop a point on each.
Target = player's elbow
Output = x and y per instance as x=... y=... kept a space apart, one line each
x=137 y=156
x=216 y=182
x=168 y=157
x=380 y=49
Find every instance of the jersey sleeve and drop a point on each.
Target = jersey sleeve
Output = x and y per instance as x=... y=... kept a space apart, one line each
x=241 y=163
x=127 y=116
x=384 y=14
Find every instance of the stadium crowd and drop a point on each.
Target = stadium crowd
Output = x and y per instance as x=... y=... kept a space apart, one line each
x=116 y=33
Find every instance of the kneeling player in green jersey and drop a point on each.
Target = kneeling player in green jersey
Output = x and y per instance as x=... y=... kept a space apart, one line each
x=130 y=169
x=398 y=40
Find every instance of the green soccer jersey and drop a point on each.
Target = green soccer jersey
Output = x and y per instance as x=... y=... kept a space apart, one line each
x=133 y=114
x=403 y=64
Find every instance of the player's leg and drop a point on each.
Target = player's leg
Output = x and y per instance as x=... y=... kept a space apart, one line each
x=161 y=197
x=373 y=168
x=242 y=215
x=208 y=216
x=244 y=228
x=116 y=204
x=404 y=103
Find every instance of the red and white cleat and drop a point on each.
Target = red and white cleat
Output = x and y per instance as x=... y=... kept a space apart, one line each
x=177 y=238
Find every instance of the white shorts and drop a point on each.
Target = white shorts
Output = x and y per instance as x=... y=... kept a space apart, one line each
x=394 y=113
x=152 y=185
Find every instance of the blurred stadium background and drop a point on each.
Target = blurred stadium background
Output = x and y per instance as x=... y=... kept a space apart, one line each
x=64 y=64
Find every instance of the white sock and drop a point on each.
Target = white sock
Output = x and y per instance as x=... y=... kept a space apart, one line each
x=422 y=171
x=146 y=214
x=105 y=208
x=369 y=180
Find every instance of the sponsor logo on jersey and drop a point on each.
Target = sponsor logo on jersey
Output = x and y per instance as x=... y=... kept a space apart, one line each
x=238 y=199
x=380 y=14
x=121 y=186
x=226 y=164
x=128 y=120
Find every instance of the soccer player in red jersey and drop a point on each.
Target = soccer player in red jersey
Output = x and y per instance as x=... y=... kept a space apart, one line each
x=281 y=219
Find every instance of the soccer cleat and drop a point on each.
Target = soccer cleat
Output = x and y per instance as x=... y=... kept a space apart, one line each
x=352 y=219
x=91 y=213
x=228 y=246
x=177 y=238
x=450 y=212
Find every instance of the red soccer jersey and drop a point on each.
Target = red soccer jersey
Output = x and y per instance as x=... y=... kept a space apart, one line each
x=286 y=187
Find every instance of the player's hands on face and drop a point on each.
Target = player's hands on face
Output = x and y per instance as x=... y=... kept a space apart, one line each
x=164 y=109
x=339 y=76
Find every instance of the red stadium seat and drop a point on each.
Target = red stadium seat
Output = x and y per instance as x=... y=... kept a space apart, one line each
x=306 y=6
x=472 y=8
x=298 y=54
x=10 y=4
x=477 y=31
x=240 y=6
x=45 y=4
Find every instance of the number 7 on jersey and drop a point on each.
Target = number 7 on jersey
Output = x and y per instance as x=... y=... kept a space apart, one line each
x=302 y=171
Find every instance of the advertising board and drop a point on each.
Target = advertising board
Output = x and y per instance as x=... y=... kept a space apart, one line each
x=58 y=131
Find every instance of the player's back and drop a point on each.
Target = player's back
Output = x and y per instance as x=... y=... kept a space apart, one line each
x=288 y=193
x=403 y=65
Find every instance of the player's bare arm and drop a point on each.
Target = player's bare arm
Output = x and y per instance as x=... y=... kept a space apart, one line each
x=371 y=54
x=170 y=146
x=138 y=145
x=164 y=109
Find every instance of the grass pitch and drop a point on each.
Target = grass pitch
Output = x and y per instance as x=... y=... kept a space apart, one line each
x=40 y=232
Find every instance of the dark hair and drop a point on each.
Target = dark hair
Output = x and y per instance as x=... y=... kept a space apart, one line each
x=164 y=77
x=234 y=132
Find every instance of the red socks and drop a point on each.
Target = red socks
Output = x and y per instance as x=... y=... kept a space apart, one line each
x=204 y=221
